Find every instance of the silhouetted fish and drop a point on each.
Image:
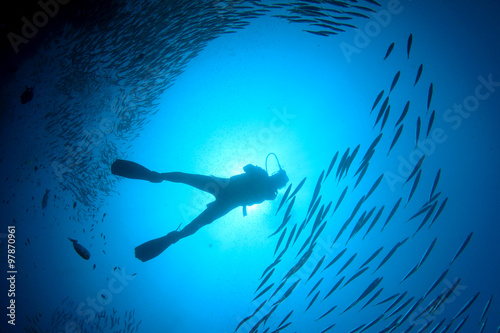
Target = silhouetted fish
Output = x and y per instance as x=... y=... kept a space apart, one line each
x=389 y=50
x=408 y=47
x=419 y=125
x=340 y=199
x=391 y=214
x=377 y=100
x=419 y=74
x=396 y=138
x=331 y=164
x=395 y=80
x=82 y=252
x=285 y=196
x=431 y=121
x=436 y=181
x=415 y=170
x=466 y=306
x=462 y=248
x=414 y=187
x=429 y=97
x=297 y=188
x=403 y=114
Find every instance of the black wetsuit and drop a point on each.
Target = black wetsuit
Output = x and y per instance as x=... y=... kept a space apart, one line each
x=246 y=189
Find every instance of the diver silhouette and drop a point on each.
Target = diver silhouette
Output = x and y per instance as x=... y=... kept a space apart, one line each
x=246 y=189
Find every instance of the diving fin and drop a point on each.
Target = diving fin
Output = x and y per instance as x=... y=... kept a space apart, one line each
x=155 y=247
x=132 y=170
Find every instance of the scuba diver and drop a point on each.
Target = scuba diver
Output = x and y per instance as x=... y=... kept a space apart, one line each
x=246 y=189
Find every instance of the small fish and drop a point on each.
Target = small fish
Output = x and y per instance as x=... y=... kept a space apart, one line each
x=403 y=295
x=462 y=248
x=315 y=287
x=377 y=217
x=389 y=50
x=334 y=260
x=285 y=196
x=45 y=199
x=419 y=74
x=383 y=108
x=436 y=283
x=391 y=214
x=426 y=218
x=297 y=188
x=386 y=116
x=375 y=254
x=334 y=287
x=414 y=187
x=365 y=293
x=348 y=262
x=287 y=293
x=419 y=125
x=263 y=291
x=395 y=80
x=279 y=241
x=249 y=317
x=408 y=47
x=429 y=96
x=340 y=199
x=93 y=267
x=412 y=309
x=401 y=307
x=27 y=95
x=316 y=191
x=379 y=97
x=431 y=121
x=466 y=306
x=427 y=252
x=285 y=319
x=265 y=280
x=343 y=160
x=396 y=138
x=391 y=253
x=403 y=114
x=388 y=299
x=377 y=294
x=286 y=218
x=374 y=186
x=327 y=312
x=74 y=205
x=486 y=308
x=82 y=252
x=328 y=328
x=461 y=324
x=436 y=181
x=357 y=274
x=372 y=146
x=351 y=158
x=410 y=273
x=334 y=159
x=440 y=209
x=318 y=265
x=416 y=168
x=373 y=322
x=313 y=300
x=361 y=175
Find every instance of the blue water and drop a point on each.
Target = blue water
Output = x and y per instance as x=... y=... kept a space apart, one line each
x=163 y=85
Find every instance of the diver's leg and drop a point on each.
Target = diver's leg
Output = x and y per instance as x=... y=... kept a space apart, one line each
x=209 y=184
x=155 y=247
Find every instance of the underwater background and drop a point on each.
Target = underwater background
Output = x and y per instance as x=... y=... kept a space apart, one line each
x=384 y=115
